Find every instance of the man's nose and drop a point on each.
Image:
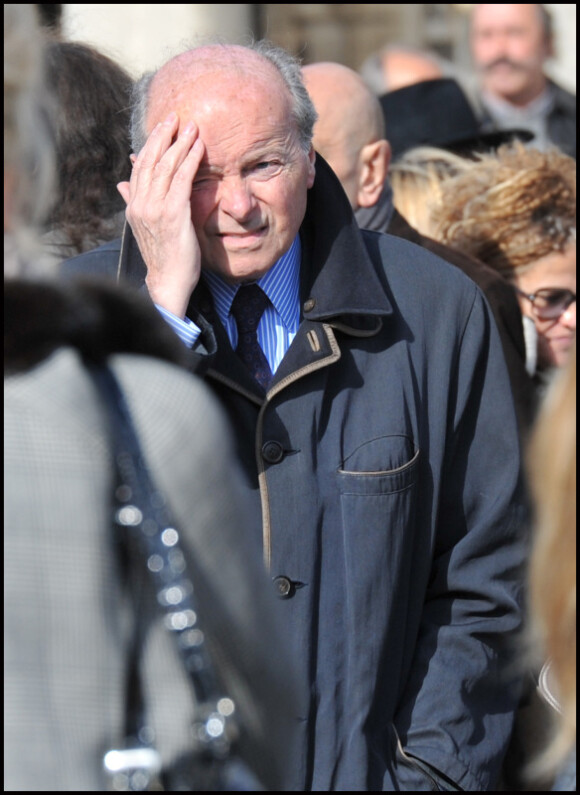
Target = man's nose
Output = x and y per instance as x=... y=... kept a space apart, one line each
x=236 y=197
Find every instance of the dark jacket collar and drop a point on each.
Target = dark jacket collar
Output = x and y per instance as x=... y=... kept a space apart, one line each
x=338 y=272
x=562 y=98
x=95 y=317
x=338 y=277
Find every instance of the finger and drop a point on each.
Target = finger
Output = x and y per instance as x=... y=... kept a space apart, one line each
x=156 y=145
x=170 y=165
x=125 y=191
x=158 y=141
x=186 y=165
x=157 y=170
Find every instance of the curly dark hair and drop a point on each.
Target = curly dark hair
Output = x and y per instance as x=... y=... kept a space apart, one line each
x=92 y=136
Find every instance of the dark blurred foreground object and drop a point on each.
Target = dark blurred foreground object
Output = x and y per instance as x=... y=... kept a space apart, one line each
x=437 y=112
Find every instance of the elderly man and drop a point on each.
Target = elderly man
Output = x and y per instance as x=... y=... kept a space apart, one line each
x=510 y=44
x=365 y=381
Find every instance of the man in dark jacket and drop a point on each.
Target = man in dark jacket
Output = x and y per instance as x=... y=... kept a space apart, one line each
x=510 y=44
x=382 y=453
x=350 y=135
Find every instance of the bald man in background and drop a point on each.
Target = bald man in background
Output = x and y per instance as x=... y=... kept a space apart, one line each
x=398 y=65
x=350 y=136
x=350 y=131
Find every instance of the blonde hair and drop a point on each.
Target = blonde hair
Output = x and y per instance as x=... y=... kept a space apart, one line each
x=416 y=178
x=551 y=459
x=29 y=151
x=510 y=208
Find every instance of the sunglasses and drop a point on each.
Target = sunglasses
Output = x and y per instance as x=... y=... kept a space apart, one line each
x=549 y=302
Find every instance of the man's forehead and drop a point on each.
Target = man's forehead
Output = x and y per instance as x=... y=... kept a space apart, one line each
x=210 y=77
x=521 y=13
x=200 y=65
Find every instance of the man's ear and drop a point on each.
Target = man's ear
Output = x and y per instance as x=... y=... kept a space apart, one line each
x=374 y=159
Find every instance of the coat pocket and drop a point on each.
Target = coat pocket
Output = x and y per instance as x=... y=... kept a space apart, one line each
x=377 y=485
x=385 y=465
x=378 y=503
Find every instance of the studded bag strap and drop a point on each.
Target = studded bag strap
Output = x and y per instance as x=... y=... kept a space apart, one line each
x=150 y=535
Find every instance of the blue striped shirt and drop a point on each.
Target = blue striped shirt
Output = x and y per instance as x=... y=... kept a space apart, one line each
x=280 y=321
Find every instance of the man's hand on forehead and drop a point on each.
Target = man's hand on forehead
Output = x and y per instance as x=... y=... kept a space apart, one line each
x=159 y=213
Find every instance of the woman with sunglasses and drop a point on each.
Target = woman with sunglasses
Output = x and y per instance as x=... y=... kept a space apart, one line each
x=515 y=209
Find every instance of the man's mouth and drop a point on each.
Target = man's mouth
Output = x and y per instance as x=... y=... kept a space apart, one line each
x=244 y=237
x=503 y=65
x=242 y=231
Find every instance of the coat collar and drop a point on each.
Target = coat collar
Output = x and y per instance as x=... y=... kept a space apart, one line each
x=338 y=279
x=338 y=273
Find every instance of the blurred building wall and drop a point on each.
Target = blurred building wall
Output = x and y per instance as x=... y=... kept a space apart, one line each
x=143 y=36
x=563 y=67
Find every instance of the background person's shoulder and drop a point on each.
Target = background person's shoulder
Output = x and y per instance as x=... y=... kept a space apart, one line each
x=101 y=261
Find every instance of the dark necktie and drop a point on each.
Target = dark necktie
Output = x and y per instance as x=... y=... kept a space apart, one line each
x=247 y=308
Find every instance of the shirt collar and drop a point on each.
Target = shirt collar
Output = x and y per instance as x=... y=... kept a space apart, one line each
x=280 y=283
x=504 y=110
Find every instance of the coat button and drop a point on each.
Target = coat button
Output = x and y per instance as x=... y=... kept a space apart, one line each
x=272 y=452
x=309 y=304
x=284 y=587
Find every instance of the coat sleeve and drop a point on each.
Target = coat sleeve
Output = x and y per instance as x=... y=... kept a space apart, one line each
x=460 y=700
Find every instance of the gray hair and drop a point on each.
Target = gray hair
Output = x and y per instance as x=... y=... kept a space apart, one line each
x=288 y=66
x=547 y=21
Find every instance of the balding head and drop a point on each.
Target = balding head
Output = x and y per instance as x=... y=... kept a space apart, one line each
x=342 y=100
x=405 y=66
x=349 y=133
x=186 y=80
x=184 y=74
